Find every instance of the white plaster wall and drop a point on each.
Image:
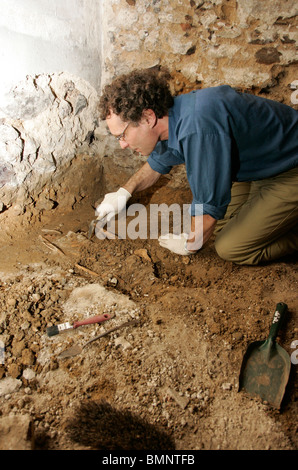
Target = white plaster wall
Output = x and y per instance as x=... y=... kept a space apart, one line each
x=48 y=36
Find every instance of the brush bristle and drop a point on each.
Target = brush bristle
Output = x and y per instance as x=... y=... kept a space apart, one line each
x=52 y=330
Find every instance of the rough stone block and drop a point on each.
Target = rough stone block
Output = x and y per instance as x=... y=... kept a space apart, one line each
x=16 y=433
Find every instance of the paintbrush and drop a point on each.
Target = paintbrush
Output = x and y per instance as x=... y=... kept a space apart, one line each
x=56 y=329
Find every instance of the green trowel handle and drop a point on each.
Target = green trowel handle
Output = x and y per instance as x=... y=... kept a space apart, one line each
x=278 y=318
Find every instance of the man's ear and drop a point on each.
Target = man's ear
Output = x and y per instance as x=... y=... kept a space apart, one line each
x=149 y=117
x=108 y=116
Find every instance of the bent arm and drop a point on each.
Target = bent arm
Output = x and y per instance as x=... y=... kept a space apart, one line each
x=142 y=179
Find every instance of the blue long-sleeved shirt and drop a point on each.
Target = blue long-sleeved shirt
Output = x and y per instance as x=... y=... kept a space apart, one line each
x=222 y=136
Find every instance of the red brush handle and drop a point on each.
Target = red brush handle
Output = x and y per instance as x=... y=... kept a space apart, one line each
x=90 y=320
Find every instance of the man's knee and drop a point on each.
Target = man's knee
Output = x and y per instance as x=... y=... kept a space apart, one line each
x=223 y=248
x=233 y=252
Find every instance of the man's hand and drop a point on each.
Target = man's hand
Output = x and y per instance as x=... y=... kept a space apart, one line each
x=112 y=204
x=176 y=243
x=201 y=229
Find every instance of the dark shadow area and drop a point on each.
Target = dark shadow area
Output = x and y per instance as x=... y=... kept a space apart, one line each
x=102 y=427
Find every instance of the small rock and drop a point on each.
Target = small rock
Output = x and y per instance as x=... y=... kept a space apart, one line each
x=181 y=401
x=80 y=104
x=9 y=385
x=142 y=253
x=35 y=297
x=268 y=55
x=237 y=336
x=18 y=209
x=226 y=386
x=27 y=357
x=21 y=403
x=113 y=281
x=122 y=342
x=11 y=302
x=28 y=374
x=14 y=370
x=185 y=26
x=17 y=433
x=17 y=347
x=25 y=325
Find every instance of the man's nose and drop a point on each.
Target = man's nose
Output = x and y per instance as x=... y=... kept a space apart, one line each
x=123 y=144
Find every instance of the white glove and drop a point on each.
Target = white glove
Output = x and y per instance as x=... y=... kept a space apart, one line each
x=112 y=204
x=175 y=243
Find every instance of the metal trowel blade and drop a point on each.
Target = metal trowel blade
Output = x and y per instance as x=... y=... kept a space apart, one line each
x=92 y=227
x=70 y=352
x=91 y=230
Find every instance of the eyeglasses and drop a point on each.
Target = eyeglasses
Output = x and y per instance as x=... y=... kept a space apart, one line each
x=121 y=137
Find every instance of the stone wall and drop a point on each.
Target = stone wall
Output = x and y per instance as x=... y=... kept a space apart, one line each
x=250 y=44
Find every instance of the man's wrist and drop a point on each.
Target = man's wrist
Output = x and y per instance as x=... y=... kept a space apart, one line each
x=124 y=192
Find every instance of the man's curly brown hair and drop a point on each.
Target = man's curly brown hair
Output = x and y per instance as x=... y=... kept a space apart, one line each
x=130 y=94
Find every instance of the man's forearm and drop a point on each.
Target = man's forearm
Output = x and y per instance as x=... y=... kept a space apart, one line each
x=142 y=179
x=202 y=227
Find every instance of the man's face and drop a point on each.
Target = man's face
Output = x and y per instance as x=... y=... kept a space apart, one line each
x=142 y=138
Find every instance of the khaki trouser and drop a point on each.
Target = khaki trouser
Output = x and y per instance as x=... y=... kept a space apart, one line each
x=261 y=222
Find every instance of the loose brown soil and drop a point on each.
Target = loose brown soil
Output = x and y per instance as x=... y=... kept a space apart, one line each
x=168 y=382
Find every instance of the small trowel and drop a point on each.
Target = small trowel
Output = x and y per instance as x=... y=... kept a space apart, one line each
x=92 y=226
x=77 y=349
x=91 y=230
x=266 y=365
